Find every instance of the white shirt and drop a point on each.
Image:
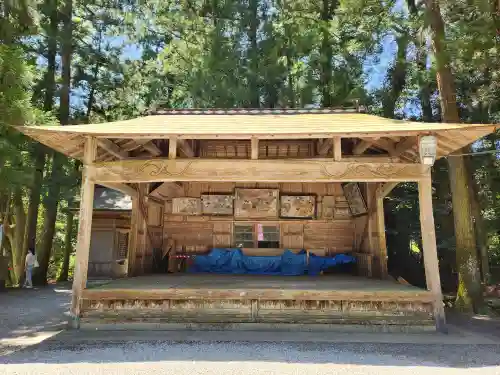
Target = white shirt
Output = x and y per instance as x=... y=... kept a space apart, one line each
x=30 y=259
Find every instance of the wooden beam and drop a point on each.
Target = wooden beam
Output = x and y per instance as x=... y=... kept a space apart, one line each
x=386 y=145
x=371 y=159
x=167 y=190
x=430 y=250
x=337 y=148
x=324 y=146
x=362 y=146
x=404 y=144
x=172 y=148
x=254 y=148
x=185 y=147
x=84 y=230
x=385 y=189
x=152 y=148
x=123 y=188
x=133 y=144
x=245 y=170
x=112 y=148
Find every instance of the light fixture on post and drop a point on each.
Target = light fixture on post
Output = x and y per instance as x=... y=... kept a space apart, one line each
x=427 y=146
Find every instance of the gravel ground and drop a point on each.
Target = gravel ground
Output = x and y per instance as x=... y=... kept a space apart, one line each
x=26 y=311
x=251 y=358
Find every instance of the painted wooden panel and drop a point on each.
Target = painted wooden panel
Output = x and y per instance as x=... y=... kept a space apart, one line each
x=256 y=203
x=186 y=206
x=328 y=207
x=355 y=199
x=217 y=204
x=300 y=206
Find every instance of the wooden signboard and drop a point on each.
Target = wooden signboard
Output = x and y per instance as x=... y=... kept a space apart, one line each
x=186 y=206
x=299 y=206
x=217 y=204
x=256 y=203
x=328 y=207
x=355 y=199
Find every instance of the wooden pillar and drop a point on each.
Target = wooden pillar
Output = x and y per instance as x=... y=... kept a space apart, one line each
x=172 y=148
x=84 y=230
x=143 y=228
x=132 y=238
x=430 y=250
x=383 y=190
x=254 y=148
x=382 y=242
x=337 y=148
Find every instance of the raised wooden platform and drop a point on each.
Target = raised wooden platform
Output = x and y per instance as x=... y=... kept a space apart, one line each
x=257 y=299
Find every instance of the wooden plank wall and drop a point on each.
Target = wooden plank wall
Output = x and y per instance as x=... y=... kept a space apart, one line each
x=200 y=233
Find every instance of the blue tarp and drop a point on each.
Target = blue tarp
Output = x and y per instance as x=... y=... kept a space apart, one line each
x=226 y=261
x=319 y=263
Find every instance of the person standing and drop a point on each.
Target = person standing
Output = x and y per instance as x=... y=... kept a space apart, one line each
x=30 y=263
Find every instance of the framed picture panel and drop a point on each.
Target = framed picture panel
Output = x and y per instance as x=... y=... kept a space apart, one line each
x=217 y=204
x=355 y=199
x=298 y=206
x=256 y=203
x=186 y=206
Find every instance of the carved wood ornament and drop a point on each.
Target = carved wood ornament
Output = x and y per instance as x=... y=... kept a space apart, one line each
x=253 y=171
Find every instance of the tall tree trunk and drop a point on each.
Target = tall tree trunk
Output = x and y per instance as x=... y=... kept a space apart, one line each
x=68 y=243
x=425 y=90
x=397 y=78
x=52 y=201
x=469 y=287
x=18 y=235
x=253 y=77
x=479 y=224
x=39 y=151
x=34 y=199
x=326 y=55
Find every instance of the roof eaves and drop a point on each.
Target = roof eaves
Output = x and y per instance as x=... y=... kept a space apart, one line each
x=254 y=111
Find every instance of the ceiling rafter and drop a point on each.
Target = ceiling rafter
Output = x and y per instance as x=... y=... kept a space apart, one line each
x=404 y=145
x=112 y=148
x=324 y=145
x=362 y=146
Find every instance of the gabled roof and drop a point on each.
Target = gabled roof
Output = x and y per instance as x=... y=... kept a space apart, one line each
x=263 y=124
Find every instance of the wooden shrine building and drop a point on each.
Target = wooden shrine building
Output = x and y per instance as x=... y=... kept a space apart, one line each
x=257 y=182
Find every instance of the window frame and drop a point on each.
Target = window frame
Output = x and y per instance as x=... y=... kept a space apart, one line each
x=255 y=233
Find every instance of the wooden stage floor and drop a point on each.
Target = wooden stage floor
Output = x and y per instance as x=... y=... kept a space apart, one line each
x=257 y=286
x=251 y=299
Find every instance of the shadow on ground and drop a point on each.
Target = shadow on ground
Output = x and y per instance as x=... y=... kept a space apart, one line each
x=25 y=312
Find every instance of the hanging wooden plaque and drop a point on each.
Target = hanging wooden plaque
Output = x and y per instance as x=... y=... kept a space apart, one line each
x=217 y=204
x=186 y=206
x=256 y=203
x=355 y=199
x=299 y=206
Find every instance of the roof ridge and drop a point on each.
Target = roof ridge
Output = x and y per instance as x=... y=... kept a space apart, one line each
x=254 y=111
